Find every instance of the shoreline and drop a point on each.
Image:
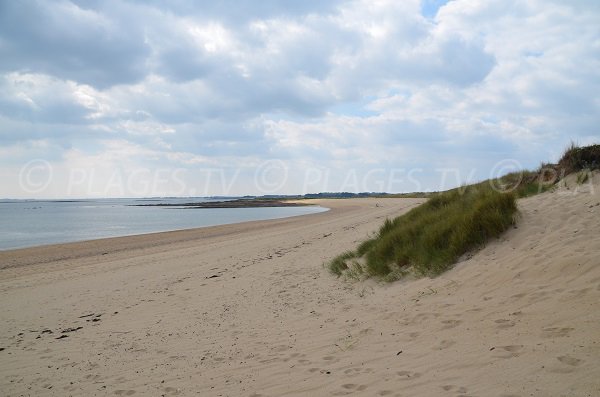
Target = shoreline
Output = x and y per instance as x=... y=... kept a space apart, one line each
x=47 y=253
x=162 y=237
x=237 y=203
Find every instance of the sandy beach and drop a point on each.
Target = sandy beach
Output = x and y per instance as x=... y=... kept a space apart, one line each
x=249 y=310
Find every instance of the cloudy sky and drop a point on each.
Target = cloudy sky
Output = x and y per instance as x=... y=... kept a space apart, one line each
x=153 y=98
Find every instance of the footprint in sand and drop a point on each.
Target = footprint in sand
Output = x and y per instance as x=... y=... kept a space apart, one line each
x=444 y=344
x=419 y=318
x=451 y=323
x=556 y=332
x=458 y=389
x=508 y=351
x=576 y=293
x=280 y=348
x=503 y=323
x=408 y=375
x=171 y=391
x=358 y=370
x=70 y=388
x=92 y=377
x=265 y=361
x=568 y=365
x=352 y=386
x=538 y=296
x=124 y=392
x=569 y=360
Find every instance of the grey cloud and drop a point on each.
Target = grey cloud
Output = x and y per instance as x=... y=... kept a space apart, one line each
x=451 y=62
x=458 y=62
x=241 y=11
x=62 y=40
x=180 y=63
x=164 y=90
x=21 y=100
x=220 y=139
x=62 y=136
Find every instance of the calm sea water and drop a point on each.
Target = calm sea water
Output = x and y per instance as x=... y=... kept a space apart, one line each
x=31 y=223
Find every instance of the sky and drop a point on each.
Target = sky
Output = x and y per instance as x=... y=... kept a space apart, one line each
x=175 y=98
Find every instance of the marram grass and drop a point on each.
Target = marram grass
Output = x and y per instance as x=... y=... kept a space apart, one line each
x=430 y=238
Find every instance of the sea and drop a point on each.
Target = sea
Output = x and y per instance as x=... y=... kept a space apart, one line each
x=27 y=223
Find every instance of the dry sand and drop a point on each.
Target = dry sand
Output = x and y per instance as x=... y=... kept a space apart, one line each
x=248 y=310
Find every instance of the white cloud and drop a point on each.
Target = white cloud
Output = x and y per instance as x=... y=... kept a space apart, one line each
x=346 y=85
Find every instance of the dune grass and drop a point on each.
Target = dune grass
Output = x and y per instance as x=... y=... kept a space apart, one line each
x=431 y=237
x=526 y=183
x=578 y=158
x=575 y=159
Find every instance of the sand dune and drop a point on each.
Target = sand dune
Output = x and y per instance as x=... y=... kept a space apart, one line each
x=248 y=310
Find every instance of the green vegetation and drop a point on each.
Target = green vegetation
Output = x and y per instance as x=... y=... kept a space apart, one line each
x=430 y=238
x=339 y=263
x=433 y=236
x=583 y=176
x=525 y=183
x=580 y=158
